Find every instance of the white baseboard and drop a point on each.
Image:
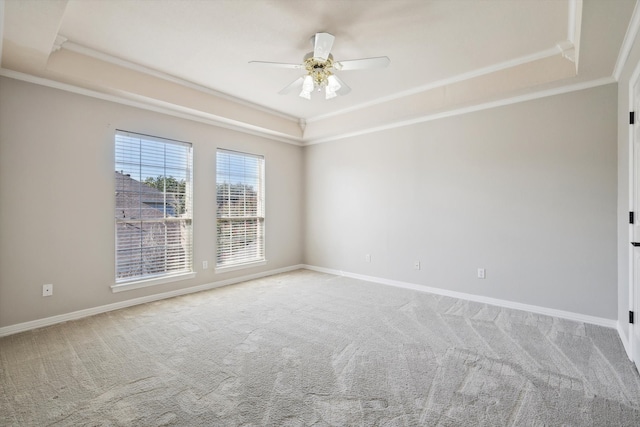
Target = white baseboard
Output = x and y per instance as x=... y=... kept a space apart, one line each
x=609 y=323
x=625 y=341
x=48 y=321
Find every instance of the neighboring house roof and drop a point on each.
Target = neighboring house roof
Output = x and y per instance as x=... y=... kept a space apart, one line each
x=136 y=200
x=145 y=248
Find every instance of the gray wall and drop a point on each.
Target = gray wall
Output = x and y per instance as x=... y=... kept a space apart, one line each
x=56 y=209
x=527 y=191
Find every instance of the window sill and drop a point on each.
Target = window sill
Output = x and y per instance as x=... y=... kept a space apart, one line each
x=119 y=287
x=235 y=267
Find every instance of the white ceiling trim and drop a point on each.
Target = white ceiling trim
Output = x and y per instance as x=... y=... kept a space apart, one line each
x=575 y=29
x=575 y=20
x=563 y=48
x=470 y=109
x=83 y=50
x=57 y=44
x=569 y=49
x=192 y=115
x=553 y=51
x=152 y=105
x=627 y=44
x=560 y=49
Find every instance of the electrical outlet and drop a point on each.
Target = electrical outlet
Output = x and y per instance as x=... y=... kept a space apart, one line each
x=416 y=265
x=47 y=290
x=482 y=273
x=367 y=258
x=205 y=265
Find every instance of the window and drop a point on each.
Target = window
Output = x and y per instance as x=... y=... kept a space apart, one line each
x=153 y=207
x=240 y=215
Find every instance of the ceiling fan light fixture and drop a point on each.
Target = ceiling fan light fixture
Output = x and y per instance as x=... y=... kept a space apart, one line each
x=332 y=87
x=307 y=84
x=333 y=83
x=307 y=87
x=319 y=66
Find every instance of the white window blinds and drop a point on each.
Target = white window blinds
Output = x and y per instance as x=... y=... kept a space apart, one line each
x=153 y=212
x=240 y=214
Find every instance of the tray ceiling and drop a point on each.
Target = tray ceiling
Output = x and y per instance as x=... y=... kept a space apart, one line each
x=186 y=54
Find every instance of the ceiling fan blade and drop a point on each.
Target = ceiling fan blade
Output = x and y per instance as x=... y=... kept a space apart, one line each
x=277 y=64
x=322 y=45
x=344 y=89
x=362 y=64
x=295 y=85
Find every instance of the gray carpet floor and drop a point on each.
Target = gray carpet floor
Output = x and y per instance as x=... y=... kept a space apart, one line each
x=311 y=349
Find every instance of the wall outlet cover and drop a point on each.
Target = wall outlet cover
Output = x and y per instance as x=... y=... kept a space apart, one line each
x=47 y=290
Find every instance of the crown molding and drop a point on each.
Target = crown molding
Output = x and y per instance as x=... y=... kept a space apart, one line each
x=158 y=107
x=627 y=44
x=469 y=109
x=573 y=27
x=574 y=30
x=569 y=49
x=553 y=51
x=57 y=44
x=83 y=50
x=211 y=120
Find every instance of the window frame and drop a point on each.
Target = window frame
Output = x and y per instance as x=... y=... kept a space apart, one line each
x=259 y=217
x=175 y=219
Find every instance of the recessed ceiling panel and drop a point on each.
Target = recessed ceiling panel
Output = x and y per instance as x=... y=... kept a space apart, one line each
x=210 y=43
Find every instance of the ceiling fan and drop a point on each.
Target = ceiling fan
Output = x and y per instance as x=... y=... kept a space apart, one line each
x=320 y=66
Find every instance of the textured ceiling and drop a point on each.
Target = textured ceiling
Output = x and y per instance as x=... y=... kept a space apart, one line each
x=452 y=52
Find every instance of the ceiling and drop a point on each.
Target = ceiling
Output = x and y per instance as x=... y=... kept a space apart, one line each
x=192 y=56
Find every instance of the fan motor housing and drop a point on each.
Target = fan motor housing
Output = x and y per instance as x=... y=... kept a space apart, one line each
x=318 y=68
